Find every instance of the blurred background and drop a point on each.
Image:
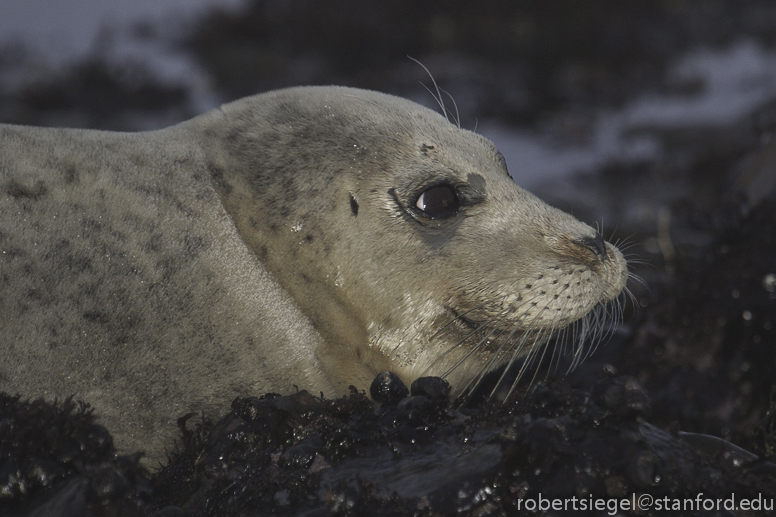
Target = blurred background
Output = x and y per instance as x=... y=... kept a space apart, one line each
x=651 y=120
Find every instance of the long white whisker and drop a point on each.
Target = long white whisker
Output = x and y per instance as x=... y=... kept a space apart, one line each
x=438 y=96
x=459 y=343
x=455 y=105
x=474 y=348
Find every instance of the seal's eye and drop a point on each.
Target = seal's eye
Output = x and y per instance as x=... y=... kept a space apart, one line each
x=439 y=202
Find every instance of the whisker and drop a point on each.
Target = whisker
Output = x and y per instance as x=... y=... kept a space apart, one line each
x=474 y=349
x=637 y=279
x=529 y=360
x=577 y=345
x=459 y=343
x=560 y=346
x=438 y=96
x=515 y=356
x=474 y=382
x=455 y=105
x=528 y=341
x=539 y=341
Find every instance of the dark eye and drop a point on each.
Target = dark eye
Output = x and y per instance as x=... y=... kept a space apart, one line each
x=439 y=202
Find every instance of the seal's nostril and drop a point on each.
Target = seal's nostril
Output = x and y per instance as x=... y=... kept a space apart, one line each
x=595 y=244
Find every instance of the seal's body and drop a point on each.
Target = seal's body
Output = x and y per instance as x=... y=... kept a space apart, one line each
x=308 y=237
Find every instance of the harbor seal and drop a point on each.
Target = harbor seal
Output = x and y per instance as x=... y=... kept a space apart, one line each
x=308 y=237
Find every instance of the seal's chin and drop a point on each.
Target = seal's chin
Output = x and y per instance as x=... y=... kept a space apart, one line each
x=516 y=347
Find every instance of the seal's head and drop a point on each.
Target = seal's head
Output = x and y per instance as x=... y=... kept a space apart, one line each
x=401 y=235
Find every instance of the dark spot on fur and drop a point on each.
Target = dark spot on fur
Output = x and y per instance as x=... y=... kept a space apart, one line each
x=233 y=136
x=306 y=278
x=353 y=206
x=289 y=188
x=71 y=174
x=477 y=182
x=217 y=174
x=426 y=148
x=194 y=244
x=17 y=190
x=96 y=317
x=167 y=267
x=308 y=238
x=154 y=243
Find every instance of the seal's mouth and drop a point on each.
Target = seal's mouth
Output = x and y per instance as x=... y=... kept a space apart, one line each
x=484 y=346
x=462 y=319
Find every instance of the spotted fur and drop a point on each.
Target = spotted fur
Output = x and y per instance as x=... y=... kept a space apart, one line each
x=275 y=243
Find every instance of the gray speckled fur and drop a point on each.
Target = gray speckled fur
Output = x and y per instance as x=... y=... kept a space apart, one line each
x=262 y=245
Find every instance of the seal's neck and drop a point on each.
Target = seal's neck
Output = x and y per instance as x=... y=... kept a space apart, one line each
x=286 y=234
